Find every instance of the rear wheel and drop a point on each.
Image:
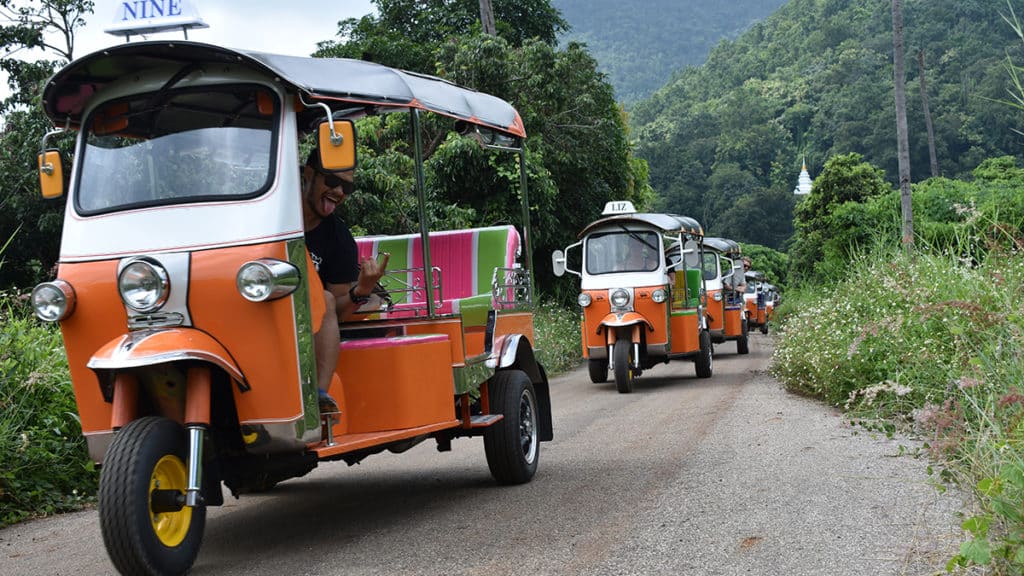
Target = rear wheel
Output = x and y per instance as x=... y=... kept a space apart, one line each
x=144 y=475
x=512 y=445
x=598 y=371
x=764 y=328
x=703 y=361
x=623 y=366
x=743 y=343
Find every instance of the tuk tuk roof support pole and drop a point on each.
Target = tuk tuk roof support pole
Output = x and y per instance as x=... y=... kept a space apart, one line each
x=526 y=216
x=421 y=201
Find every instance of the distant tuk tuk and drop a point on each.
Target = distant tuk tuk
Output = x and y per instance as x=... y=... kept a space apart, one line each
x=756 y=301
x=724 y=306
x=183 y=288
x=640 y=293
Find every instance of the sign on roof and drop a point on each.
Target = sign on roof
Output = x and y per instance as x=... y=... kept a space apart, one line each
x=618 y=207
x=134 y=17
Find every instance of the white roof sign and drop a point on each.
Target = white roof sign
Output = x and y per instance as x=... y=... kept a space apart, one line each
x=618 y=207
x=135 y=17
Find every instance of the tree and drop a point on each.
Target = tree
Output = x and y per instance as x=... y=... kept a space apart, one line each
x=31 y=224
x=901 y=126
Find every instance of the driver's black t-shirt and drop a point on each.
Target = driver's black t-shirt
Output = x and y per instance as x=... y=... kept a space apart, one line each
x=333 y=251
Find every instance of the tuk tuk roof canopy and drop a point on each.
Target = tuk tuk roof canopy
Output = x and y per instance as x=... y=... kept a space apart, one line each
x=340 y=80
x=666 y=222
x=723 y=245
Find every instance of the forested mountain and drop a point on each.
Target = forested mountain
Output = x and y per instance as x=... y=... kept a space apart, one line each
x=641 y=44
x=724 y=141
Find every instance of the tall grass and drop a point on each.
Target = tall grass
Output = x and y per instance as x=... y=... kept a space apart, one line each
x=933 y=343
x=44 y=467
x=557 y=330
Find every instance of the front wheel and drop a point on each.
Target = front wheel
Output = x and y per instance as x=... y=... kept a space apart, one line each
x=598 y=370
x=704 y=358
x=623 y=366
x=512 y=445
x=144 y=473
x=764 y=328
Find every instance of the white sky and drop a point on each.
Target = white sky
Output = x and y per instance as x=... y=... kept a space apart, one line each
x=290 y=27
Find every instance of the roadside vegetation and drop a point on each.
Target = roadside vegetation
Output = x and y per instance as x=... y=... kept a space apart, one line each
x=930 y=342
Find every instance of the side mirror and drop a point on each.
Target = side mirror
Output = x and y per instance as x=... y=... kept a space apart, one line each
x=337 y=140
x=691 y=254
x=558 y=262
x=51 y=174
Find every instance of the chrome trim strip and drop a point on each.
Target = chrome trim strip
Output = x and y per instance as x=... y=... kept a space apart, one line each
x=306 y=428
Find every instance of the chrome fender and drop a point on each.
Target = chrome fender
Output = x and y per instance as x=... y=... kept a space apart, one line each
x=162 y=346
x=622 y=319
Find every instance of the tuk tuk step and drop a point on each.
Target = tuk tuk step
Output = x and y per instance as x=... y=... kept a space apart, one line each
x=485 y=420
x=352 y=442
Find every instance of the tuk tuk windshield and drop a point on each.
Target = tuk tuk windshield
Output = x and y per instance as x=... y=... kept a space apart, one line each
x=710 y=266
x=177 y=146
x=626 y=251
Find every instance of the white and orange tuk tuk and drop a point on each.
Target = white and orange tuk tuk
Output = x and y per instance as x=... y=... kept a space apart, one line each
x=755 y=299
x=724 y=306
x=183 y=288
x=640 y=293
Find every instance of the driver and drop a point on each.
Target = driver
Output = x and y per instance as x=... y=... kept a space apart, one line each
x=344 y=281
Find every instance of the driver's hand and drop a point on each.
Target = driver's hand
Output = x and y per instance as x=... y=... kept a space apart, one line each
x=371 y=271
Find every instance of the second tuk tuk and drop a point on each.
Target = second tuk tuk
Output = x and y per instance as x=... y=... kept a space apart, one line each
x=640 y=293
x=723 y=275
x=756 y=301
x=183 y=290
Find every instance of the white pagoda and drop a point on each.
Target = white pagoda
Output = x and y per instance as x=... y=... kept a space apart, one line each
x=803 y=184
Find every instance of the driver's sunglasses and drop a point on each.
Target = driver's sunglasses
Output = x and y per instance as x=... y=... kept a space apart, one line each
x=335 y=181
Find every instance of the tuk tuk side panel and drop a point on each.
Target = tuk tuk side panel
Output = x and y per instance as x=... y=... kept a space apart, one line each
x=655 y=313
x=685 y=332
x=515 y=323
x=397 y=382
x=716 y=312
x=450 y=327
x=593 y=338
x=99 y=317
x=583 y=339
x=733 y=321
x=261 y=336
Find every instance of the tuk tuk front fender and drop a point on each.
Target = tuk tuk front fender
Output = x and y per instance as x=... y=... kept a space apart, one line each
x=623 y=319
x=163 y=346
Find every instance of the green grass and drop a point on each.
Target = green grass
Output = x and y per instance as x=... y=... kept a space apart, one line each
x=44 y=466
x=558 y=336
x=934 y=345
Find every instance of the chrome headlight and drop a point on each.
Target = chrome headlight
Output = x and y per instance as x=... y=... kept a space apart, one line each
x=620 y=298
x=144 y=285
x=659 y=296
x=717 y=297
x=583 y=299
x=53 y=301
x=266 y=279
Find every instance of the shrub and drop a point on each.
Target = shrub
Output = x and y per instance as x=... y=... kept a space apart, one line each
x=559 y=345
x=44 y=465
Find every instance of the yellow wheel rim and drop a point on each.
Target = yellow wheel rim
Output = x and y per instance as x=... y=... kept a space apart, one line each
x=170 y=527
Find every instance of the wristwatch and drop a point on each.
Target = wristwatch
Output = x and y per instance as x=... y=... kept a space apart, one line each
x=357 y=300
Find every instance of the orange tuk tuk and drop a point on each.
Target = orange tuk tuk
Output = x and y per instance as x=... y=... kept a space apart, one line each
x=183 y=294
x=723 y=275
x=640 y=293
x=755 y=300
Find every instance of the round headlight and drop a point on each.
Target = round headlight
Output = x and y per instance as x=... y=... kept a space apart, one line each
x=717 y=297
x=266 y=279
x=583 y=299
x=659 y=296
x=53 y=301
x=620 y=298
x=144 y=286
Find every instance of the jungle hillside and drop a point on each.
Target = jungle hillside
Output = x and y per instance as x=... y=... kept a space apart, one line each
x=641 y=45
x=725 y=141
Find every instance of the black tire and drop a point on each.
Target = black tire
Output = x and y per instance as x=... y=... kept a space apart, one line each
x=623 y=367
x=764 y=328
x=598 y=371
x=512 y=445
x=743 y=343
x=145 y=453
x=703 y=362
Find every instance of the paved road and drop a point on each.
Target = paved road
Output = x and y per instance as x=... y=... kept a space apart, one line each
x=724 y=476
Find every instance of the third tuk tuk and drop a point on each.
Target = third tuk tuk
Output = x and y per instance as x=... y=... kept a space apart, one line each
x=640 y=291
x=755 y=300
x=723 y=275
